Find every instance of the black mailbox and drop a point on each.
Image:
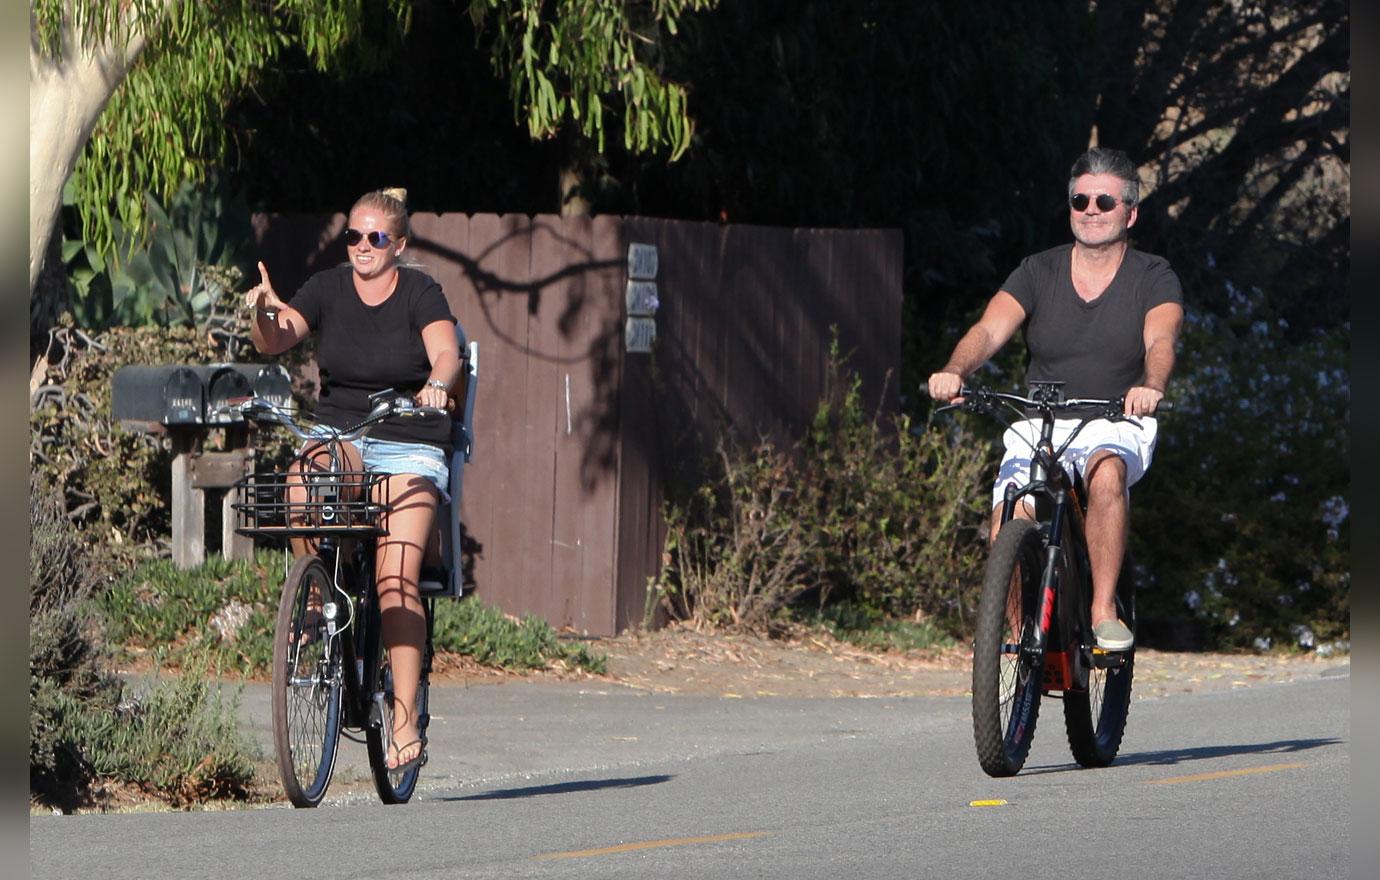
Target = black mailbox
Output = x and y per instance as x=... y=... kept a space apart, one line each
x=181 y=394
x=225 y=385
x=274 y=384
x=184 y=398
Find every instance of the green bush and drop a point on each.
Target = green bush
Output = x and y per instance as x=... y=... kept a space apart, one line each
x=175 y=613
x=850 y=623
x=875 y=515
x=66 y=653
x=185 y=272
x=493 y=639
x=176 y=738
x=1241 y=530
x=86 y=729
x=222 y=609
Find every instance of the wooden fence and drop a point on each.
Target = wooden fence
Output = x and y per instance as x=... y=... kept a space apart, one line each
x=575 y=435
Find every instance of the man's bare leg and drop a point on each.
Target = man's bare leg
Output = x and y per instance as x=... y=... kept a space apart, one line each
x=1108 y=516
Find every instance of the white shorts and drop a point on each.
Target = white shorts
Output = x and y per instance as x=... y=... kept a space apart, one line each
x=1135 y=446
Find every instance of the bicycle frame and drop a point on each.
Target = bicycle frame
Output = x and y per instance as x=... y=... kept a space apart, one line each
x=1069 y=650
x=353 y=578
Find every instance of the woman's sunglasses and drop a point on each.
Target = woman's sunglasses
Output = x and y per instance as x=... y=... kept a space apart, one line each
x=1105 y=202
x=377 y=239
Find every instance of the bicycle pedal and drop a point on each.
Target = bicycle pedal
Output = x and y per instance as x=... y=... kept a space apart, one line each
x=1104 y=659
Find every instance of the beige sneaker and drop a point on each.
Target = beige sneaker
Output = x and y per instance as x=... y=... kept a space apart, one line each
x=1112 y=635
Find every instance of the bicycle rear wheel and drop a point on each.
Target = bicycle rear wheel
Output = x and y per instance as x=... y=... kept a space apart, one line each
x=306 y=685
x=1096 y=720
x=393 y=786
x=1007 y=680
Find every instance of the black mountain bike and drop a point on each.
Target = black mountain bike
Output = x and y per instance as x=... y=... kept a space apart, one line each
x=331 y=674
x=1034 y=629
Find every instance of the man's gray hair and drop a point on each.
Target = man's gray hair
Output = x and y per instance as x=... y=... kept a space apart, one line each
x=1100 y=160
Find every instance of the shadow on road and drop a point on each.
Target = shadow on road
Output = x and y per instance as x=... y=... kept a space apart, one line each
x=563 y=788
x=1180 y=756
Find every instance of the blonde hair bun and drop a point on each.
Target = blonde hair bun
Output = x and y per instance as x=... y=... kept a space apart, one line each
x=395 y=192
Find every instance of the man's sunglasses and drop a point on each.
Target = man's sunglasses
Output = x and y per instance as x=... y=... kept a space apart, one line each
x=377 y=239
x=1105 y=202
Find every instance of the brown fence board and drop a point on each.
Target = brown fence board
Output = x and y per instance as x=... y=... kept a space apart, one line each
x=601 y=460
x=544 y=398
x=571 y=513
x=501 y=245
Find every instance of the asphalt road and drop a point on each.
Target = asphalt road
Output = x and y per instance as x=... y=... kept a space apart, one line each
x=569 y=780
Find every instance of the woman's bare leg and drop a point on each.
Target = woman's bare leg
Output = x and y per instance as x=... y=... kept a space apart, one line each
x=399 y=562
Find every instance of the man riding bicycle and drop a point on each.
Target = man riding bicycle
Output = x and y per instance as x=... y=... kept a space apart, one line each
x=1102 y=318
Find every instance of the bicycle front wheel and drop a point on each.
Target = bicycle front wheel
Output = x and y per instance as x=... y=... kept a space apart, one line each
x=393 y=786
x=1006 y=679
x=1095 y=720
x=306 y=685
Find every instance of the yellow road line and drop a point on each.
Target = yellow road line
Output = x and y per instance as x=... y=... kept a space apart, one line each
x=992 y=803
x=651 y=844
x=1222 y=774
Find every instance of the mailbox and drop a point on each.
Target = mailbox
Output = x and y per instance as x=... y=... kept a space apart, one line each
x=225 y=385
x=184 y=398
x=274 y=384
x=184 y=394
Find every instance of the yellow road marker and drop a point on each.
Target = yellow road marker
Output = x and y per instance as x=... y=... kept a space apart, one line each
x=1222 y=774
x=996 y=803
x=651 y=844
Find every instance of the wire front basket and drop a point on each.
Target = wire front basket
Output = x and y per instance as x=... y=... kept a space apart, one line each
x=344 y=503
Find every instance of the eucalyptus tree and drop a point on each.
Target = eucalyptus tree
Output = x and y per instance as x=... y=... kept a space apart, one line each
x=127 y=98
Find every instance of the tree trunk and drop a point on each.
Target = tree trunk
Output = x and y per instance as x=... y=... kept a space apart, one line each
x=574 y=173
x=48 y=299
x=66 y=97
x=573 y=201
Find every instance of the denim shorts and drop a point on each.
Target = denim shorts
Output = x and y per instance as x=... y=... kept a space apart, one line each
x=396 y=457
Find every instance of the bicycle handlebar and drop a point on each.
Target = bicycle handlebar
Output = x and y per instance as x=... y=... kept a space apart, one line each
x=982 y=398
x=389 y=405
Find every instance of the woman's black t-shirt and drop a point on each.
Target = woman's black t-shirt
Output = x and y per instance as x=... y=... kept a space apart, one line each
x=1097 y=349
x=361 y=349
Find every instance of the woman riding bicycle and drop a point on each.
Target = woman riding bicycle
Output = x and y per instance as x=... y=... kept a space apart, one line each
x=380 y=325
x=1103 y=318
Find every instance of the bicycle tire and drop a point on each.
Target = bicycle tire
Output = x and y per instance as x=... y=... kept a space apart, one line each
x=1095 y=720
x=393 y=787
x=306 y=686
x=1007 y=682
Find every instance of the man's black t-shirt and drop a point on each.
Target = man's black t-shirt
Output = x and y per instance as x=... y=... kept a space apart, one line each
x=1097 y=349
x=361 y=349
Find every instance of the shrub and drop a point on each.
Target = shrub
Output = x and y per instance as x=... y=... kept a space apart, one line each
x=177 y=742
x=493 y=639
x=66 y=679
x=177 y=739
x=738 y=552
x=1241 y=530
x=862 y=511
x=224 y=610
